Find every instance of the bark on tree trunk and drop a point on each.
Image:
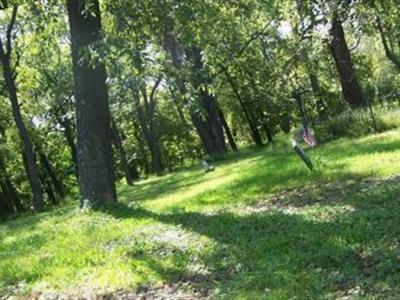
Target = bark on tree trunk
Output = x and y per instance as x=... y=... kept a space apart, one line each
x=228 y=132
x=387 y=43
x=95 y=161
x=178 y=106
x=31 y=167
x=351 y=89
x=317 y=95
x=69 y=136
x=268 y=132
x=250 y=119
x=6 y=207
x=50 y=171
x=8 y=188
x=208 y=125
x=8 y=194
x=301 y=107
x=157 y=166
x=207 y=102
x=116 y=136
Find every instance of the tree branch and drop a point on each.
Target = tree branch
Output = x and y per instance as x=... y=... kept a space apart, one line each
x=154 y=89
x=356 y=44
x=152 y=94
x=388 y=50
x=10 y=29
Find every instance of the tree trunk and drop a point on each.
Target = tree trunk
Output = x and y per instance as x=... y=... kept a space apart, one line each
x=207 y=102
x=387 y=44
x=8 y=188
x=8 y=194
x=48 y=188
x=268 y=132
x=351 y=89
x=258 y=108
x=50 y=171
x=6 y=207
x=302 y=111
x=31 y=167
x=208 y=126
x=69 y=136
x=122 y=154
x=95 y=161
x=250 y=120
x=316 y=89
x=213 y=122
x=157 y=166
x=228 y=132
x=178 y=106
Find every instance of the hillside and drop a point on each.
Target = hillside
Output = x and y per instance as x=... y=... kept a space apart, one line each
x=260 y=226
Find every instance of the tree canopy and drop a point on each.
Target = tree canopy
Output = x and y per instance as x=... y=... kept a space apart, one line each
x=95 y=92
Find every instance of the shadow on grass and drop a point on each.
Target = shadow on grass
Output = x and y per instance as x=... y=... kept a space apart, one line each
x=271 y=169
x=292 y=255
x=354 y=148
x=161 y=186
x=147 y=190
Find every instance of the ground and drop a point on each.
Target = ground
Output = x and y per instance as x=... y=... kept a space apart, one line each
x=261 y=226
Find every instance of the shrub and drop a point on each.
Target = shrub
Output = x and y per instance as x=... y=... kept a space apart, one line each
x=356 y=123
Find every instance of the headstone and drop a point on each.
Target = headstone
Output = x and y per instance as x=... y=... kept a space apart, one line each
x=207 y=167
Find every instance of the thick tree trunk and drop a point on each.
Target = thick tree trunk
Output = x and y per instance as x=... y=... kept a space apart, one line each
x=208 y=125
x=95 y=161
x=6 y=207
x=117 y=140
x=157 y=165
x=351 y=89
x=228 y=132
x=31 y=167
x=207 y=101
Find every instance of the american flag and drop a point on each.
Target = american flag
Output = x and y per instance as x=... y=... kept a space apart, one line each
x=309 y=138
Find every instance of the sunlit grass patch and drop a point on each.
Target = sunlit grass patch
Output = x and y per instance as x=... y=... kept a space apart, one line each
x=260 y=226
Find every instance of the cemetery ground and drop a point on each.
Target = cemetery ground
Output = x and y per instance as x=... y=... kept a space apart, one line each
x=261 y=226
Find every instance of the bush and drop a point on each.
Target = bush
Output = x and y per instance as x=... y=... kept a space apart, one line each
x=356 y=123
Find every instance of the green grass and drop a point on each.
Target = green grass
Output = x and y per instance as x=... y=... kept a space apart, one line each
x=260 y=227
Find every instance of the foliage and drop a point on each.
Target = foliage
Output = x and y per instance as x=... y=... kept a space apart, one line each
x=189 y=80
x=356 y=124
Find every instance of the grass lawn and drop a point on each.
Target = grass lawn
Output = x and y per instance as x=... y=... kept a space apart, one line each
x=260 y=227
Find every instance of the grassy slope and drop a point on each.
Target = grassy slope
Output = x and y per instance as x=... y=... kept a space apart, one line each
x=238 y=232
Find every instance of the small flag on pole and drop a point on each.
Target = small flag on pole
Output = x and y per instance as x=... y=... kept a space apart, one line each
x=308 y=138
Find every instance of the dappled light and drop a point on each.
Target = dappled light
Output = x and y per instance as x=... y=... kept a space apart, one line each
x=181 y=150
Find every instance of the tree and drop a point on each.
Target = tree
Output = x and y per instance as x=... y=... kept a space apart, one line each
x=145 y=111
x=96 y=174
x=9 y=77
x=351 y=88
x=131 y=173
x=386 y=15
